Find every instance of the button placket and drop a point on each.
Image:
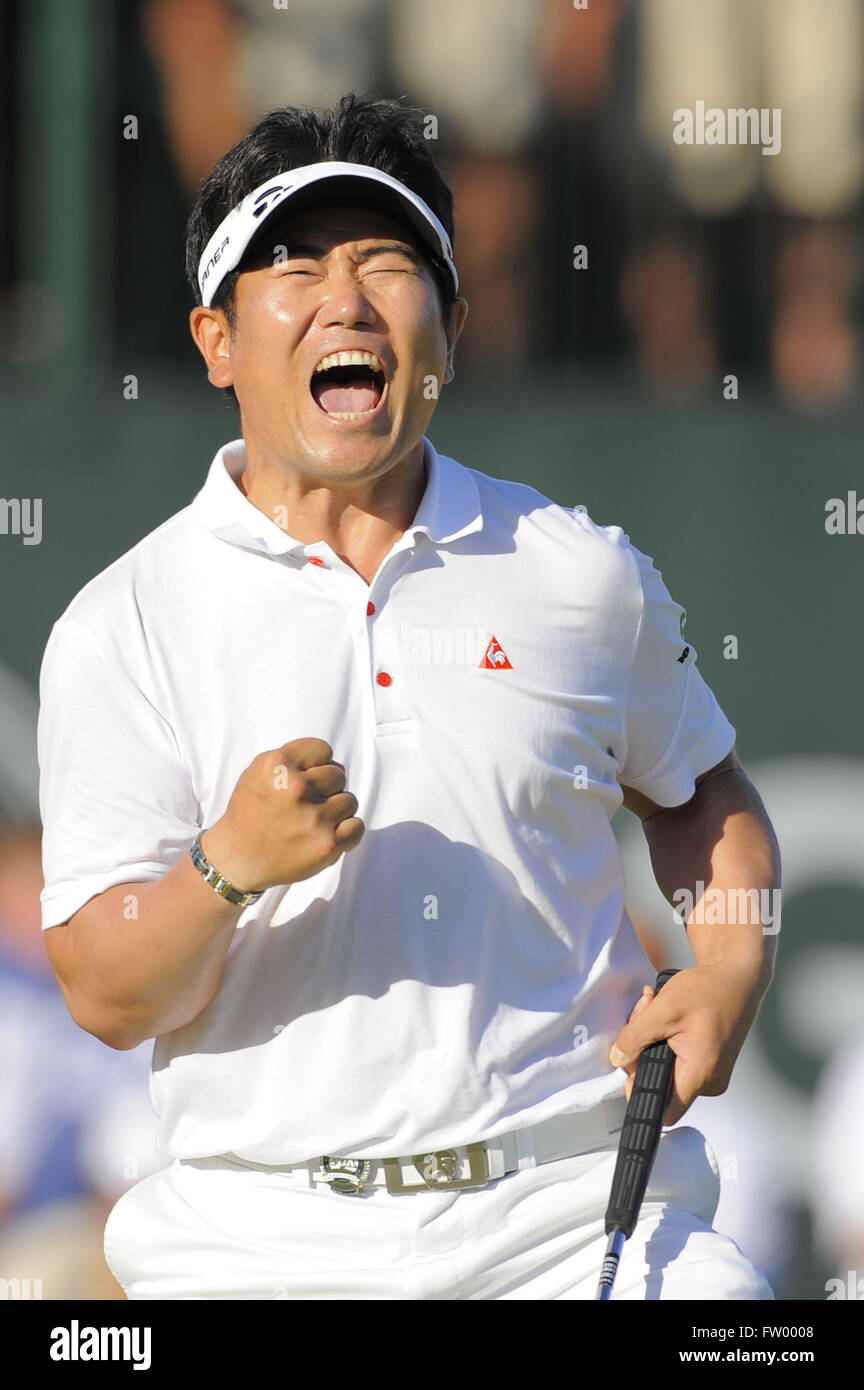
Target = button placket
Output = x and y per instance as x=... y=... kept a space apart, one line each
x=392 y=712
x=374 y=635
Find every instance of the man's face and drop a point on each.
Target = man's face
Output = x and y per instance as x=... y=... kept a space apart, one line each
x=332 y=280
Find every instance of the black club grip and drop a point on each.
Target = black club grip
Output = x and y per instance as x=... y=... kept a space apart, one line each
x=640 y=1134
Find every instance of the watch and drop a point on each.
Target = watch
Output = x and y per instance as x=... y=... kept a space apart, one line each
x=218 y=882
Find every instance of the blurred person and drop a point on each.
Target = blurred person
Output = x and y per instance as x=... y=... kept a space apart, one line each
x=19 y=772
x=663 y=298
x=474 y=68
x=224 y=64
x=814 y=343
x=22 y=961
x=585 y=205
x=21 y=949
x=837 y=1167
x=194 y=44
x=358 y=1018
x=57 y=1087
x=785 y=56
x=576 y=53
x=799 y=65
x=752 y=1208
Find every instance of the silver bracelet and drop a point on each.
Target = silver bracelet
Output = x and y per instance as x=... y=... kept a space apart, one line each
x=217 y=881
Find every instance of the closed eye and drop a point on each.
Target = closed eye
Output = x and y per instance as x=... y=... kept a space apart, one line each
x=388 y=259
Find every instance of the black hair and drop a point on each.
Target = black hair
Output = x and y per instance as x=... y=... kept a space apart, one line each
x=358 y=129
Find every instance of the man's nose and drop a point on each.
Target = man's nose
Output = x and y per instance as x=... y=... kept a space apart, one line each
x=345 y=301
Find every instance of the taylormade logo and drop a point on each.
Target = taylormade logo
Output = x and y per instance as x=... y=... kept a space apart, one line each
x=737 y=126
x=76 y=1343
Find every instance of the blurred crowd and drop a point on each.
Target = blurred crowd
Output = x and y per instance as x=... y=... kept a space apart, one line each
x=76 y=1124
x=553 y=122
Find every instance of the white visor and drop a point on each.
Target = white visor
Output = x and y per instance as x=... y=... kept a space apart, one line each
x=226 y=247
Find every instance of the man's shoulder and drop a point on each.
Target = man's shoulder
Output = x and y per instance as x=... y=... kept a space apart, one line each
x=506 y=501
x=145 y=571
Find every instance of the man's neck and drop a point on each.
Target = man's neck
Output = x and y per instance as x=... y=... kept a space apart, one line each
x=360 y=524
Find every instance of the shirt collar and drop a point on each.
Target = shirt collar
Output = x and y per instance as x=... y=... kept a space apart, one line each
x=449 y=508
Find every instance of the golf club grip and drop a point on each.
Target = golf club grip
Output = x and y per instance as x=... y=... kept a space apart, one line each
x=640 y=1134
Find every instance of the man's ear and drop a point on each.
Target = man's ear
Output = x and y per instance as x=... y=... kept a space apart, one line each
x=212 y=334
x=455 y=324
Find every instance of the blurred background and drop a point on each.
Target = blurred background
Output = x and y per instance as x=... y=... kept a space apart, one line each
x=666 y=334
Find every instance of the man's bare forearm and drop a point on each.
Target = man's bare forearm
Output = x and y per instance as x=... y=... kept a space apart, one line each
x=714 y=851
x=144 y=958
x=722 y=844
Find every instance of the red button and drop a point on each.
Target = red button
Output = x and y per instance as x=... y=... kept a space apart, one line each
x=314 y=560
x=384 y=679
x=370 y=609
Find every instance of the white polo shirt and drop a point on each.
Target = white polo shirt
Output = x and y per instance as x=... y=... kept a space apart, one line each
x=463 y=971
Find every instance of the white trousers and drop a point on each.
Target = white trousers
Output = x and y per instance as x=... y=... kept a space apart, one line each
x=210 y=1228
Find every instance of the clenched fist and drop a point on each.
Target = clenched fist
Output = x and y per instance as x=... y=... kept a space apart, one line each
x=289 y=817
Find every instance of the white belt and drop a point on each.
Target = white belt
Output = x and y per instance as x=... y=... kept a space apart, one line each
x=466 y=1165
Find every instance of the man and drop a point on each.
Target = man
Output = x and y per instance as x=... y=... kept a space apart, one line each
x=382 y=1040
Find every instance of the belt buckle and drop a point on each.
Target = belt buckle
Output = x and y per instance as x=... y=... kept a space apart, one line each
x=438 y=1170
x=346 y=1174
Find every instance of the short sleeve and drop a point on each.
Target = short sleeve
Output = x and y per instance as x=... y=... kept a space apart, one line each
x=115 y=797
x=675 y=728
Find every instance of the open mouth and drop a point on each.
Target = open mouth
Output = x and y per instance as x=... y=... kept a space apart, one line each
x=348 y=385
